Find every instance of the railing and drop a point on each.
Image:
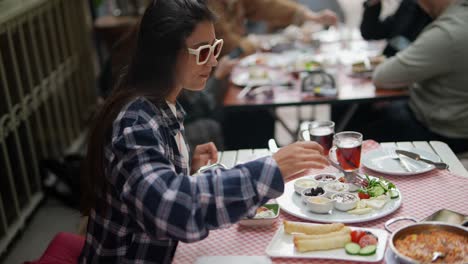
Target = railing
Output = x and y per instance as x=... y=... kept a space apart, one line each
x=46 y=89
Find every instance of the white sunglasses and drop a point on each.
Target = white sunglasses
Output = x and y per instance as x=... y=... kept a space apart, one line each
x=204 y=52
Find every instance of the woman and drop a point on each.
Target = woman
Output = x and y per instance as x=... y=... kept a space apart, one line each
x=139 y=195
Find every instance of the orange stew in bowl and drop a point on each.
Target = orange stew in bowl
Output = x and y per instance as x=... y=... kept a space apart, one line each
x=421 y=246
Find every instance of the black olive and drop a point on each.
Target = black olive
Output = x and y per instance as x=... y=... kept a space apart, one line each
x=314 y=192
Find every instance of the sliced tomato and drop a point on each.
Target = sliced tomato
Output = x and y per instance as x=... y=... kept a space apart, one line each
x=363 y=195
x=367 y=240
x=356 y=235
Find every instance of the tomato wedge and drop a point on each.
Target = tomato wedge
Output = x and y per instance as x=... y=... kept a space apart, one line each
x=363 y=195
x=367 y=240
x=356 y=235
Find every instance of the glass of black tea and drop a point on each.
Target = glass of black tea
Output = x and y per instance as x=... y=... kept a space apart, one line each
x=347 y=145
x=322 y=133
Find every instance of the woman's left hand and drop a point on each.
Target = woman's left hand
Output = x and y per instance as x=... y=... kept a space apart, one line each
x=202 y=155
x=325 y=17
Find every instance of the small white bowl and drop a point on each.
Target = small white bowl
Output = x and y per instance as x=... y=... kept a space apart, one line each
x=325 y=178
x=319 y=204
x=262 y=221
x=353 y=187
x=304 y=197
x=345 y=201
x=304 y=183
x=335 y=187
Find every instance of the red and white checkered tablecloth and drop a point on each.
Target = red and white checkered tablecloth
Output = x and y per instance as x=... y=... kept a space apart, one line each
x=422 y=195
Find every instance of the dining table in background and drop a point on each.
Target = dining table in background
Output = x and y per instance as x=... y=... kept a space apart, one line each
x=337 y=55
x=423 y=194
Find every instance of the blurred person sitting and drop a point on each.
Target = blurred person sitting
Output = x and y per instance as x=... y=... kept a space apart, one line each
x=435 y=69
x=233 y=15
x=232 y=27
x=400 y=29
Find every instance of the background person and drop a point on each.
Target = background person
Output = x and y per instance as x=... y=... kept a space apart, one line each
x=399 y=29
x=435 y=69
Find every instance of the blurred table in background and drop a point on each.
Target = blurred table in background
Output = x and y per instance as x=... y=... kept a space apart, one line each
x=336 y=49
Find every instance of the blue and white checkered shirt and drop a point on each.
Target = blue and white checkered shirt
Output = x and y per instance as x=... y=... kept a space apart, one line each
x=153 y=203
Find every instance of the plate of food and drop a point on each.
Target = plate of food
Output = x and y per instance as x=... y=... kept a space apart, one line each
x=265 y=215
x=306 y=65
x=271 y=60
x=334 y=201
x=385 y=160
x=258 y=76
x=366 y=67
x=328 y=241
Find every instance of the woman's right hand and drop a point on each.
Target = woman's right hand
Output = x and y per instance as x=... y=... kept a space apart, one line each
x=300 y=156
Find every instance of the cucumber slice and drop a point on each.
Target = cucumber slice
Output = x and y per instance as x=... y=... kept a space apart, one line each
x=394 y=194
x=352 y=248
x=376 y=191
x=368 y=250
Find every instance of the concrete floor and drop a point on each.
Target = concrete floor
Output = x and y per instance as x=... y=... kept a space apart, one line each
x=51 y=217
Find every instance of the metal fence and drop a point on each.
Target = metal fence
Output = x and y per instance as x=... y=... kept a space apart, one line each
x=46 y=89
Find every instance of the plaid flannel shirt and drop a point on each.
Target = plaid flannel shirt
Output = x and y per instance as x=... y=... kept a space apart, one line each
x=153 y=203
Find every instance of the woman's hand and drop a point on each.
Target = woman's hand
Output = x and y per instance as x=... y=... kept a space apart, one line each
x=325 y=17
x=300 y=156
x=203 y=154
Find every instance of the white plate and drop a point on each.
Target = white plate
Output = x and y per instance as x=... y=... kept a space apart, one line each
x=266 y=59
x=383 y=160
x=243 y=77
x=291 y=203
x=282 y=246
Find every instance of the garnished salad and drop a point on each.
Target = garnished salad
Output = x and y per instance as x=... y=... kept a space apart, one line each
x=377 y=187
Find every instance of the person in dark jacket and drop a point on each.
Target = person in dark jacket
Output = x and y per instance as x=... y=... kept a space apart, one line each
x=400 y=29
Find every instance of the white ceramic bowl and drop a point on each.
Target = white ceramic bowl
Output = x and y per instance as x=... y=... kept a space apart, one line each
x=262 y=221
x=353 y=187
x=325 y=178
x=319 y=204
x=304 y=197
x=304 y=183
x=335 y=187
x=345 y=201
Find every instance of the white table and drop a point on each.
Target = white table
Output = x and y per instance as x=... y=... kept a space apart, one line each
x=233 y=157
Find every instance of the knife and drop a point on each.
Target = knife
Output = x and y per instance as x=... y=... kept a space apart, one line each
x=438 y=165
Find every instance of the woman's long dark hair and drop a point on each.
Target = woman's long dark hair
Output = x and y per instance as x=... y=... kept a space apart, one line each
x=162 y=33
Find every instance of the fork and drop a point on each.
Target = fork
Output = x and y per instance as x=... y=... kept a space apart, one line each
x=210 y=166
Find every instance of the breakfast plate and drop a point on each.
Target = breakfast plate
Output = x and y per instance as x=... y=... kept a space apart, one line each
x=292 y=203
x=282 y=246
x=265 y=59
x=385 y=160
x=258 y=77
